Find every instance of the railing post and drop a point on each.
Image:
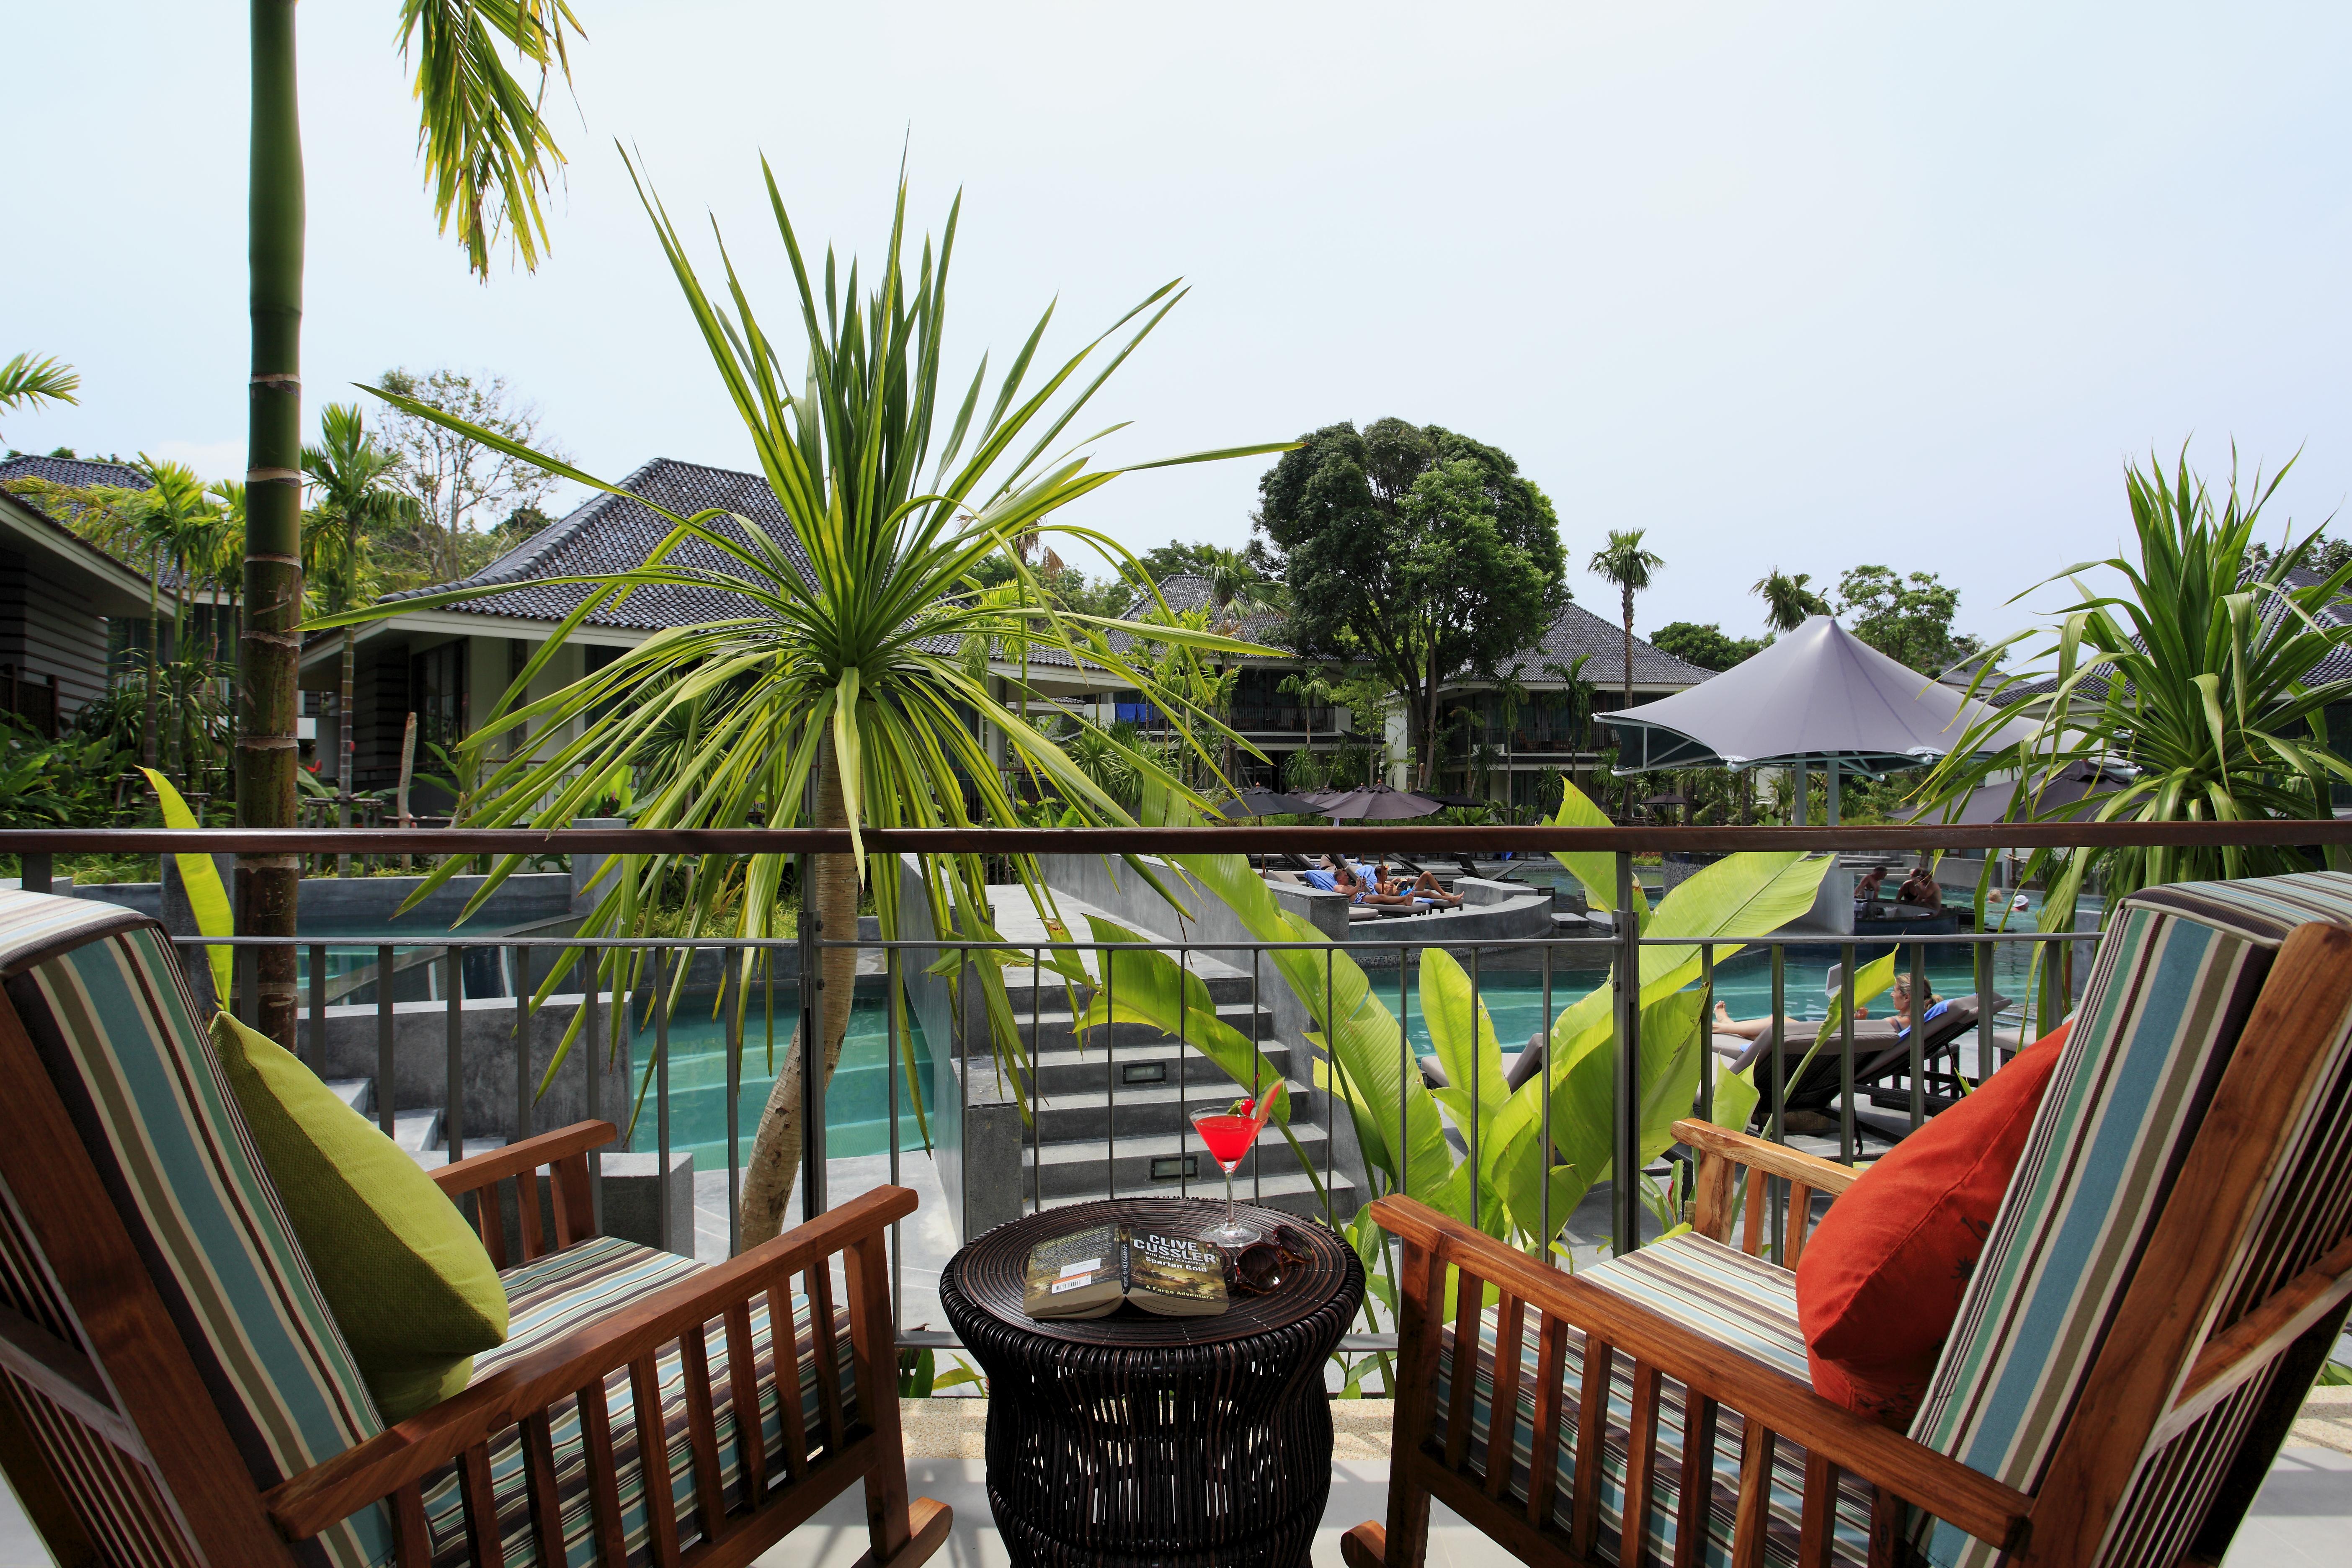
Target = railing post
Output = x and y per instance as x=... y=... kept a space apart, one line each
x=1625 y=1202
x=811 y=1009
x=35 y=869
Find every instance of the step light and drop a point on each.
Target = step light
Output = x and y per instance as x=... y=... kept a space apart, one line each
x=1143 y=1072
x=1176 y=1168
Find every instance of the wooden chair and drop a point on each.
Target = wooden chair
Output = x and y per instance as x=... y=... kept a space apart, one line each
x=2169 y=1267
x=177 y=1393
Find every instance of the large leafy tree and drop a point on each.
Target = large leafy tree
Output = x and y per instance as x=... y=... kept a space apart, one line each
x=1418 y=551
x=1629 y=568
x=1704 y=644
x=1908 y=619
x=487 y=153
x=840 y=696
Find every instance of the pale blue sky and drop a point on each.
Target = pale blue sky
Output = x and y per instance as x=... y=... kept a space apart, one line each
x=1806 y=284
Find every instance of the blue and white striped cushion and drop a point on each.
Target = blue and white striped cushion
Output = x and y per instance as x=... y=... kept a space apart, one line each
x=102 y=995
x=1744 y=1304
x=551 y=1296
x=2169 y=996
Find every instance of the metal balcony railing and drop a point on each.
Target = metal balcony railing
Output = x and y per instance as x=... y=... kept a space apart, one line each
x=510 y=964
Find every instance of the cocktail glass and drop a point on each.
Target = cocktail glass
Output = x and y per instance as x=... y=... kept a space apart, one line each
x=1229 y=1135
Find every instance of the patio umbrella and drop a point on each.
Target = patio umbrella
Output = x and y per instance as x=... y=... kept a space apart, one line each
x=1267 y=802
x=1820 y=696
x=1377 y=803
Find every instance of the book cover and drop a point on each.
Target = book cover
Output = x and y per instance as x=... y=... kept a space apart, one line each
x=1088 y=1273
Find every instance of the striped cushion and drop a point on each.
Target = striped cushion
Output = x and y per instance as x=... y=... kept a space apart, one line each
x=102 y=997
x=1741 y=1303
x=2175 y=977
x=550 y=1297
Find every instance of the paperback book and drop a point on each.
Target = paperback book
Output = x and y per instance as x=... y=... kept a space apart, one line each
x=1089 y=1273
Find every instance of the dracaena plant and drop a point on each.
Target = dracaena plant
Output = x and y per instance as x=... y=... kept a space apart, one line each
x=841 y=696
x=2194 y=694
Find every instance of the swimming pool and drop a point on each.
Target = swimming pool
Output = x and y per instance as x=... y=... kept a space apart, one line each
x=857 y=1101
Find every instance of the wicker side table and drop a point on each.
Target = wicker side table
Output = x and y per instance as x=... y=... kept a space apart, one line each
x=1137 y=1440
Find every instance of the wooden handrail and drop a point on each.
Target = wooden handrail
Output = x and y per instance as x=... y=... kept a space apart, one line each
x=305 y=1504
x=476 y=1172
x=1772 y=1159
x=1206 y=840
x=1950 y=1490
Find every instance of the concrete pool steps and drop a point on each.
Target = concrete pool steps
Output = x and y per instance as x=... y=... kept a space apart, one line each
x=1290 y=1192
x=1146 y=1064
x=1072 y=1171
x=1056 y=1028
x=1137 y=1110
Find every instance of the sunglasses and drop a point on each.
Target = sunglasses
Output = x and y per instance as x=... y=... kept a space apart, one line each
x=1261 y=1267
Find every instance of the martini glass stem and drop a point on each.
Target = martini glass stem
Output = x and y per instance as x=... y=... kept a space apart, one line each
x=1230 y=1226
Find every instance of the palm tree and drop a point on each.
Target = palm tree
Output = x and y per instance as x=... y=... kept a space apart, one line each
x=354 y=497
x=1788 y=602
x=1632 y=568
x=841 y=695
x=1314 y=690
x=487 y=155
x=26 y=381
x=1510 y=696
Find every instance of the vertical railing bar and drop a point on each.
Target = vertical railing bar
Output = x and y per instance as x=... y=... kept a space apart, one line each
x=522 y=1049
x=959 y=1046
x=1846 y=1135
x=1036 y=1093
x=811 y=931
x=1336 y=1077
x=36 y=874
x=1625 y=1138
x=1476 y=1209
x=1776 y=1198
x=1981 y=956
x=1108 y=975
x=890 y=1050
x=662 y=1227
x=245 y=984
x=592 y=1041
x=1405 y=1065
x=1184 y=1107
x=1258 y=1165
x=1916 y=1034
x=1543 y=1094
x=1707 y=1066
x=383 y=1063
x=731 y=966
x=318 y=1009
x=453 y=1120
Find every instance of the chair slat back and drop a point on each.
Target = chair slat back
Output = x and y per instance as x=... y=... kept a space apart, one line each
x=98 y=1000
x=2178 y=976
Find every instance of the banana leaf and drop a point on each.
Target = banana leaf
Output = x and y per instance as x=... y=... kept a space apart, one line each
x=207 y=899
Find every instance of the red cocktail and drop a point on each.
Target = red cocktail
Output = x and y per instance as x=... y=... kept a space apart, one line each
x=1229 y=1132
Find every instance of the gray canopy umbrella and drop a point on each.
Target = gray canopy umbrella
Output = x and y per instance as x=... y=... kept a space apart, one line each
x=1266 y=803
x=1818 y=697
x=1377 y=803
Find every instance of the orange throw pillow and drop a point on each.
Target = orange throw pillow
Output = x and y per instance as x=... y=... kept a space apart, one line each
x=1880 y=1283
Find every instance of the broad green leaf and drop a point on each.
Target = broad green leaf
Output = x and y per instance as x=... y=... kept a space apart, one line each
x=1147 y=986
x=1464 y=1036
x=1735 y=1098
x=1596 y=868
x=207 y=899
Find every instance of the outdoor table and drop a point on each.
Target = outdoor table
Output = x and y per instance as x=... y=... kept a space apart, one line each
x=1137 y=1439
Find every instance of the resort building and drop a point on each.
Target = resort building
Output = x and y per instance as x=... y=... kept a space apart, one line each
x=69 y=610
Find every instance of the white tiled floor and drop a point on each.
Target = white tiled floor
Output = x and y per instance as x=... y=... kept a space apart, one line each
x=2302 y=1519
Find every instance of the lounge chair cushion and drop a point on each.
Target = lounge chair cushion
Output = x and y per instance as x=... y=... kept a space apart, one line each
x=1747 y=1305
x=1880 y=1283
x=552 y=1296
x=102 y=997
x=2175 y=977
x=405 y=1276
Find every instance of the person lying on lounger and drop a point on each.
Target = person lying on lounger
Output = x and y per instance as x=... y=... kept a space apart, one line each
x=1360 y=886
x=1425 y=887
x=1757 y=1028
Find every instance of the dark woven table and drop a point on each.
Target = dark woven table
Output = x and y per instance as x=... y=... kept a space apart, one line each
x=1137 y=1440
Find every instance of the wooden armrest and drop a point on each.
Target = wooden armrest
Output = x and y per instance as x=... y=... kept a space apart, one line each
x=476 y=1172
x=1772 y=1159
x=2241 y=1350
x=305 y=1504
x=1944 y=1486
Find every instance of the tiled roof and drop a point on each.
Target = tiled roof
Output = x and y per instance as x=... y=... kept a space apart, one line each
x=1577 y=630
x=74 y=471
x=608 y=534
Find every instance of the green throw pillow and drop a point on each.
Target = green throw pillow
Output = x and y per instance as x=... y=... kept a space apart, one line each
x=403 y=1274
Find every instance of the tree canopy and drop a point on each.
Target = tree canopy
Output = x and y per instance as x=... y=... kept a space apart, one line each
x=1908 y=619
x=1705 y=645
x=1416 y=549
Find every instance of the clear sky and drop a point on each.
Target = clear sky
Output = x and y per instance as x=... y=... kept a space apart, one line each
x=1805 y=285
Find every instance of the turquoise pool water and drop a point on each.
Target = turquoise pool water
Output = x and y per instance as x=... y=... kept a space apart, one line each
x=856 y=1103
